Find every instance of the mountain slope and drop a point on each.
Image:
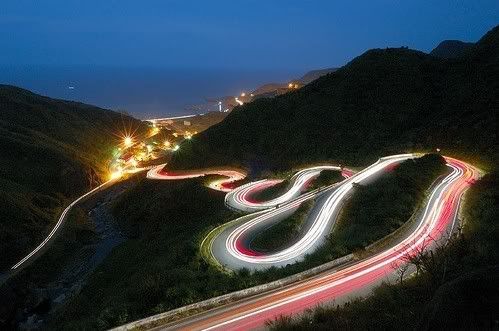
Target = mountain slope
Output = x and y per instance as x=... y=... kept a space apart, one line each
x=312 y=75
x=451 y=49
x=52 y=150
x=384 y=101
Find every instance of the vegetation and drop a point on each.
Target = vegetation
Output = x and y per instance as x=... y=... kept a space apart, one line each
x=27 y=292
x=52 y=150
x=379 y=208
x=286 y=231
x=449 y=49
x=383 y=102
x=326 y=177
x=283 y=233
x=272 y=192
x=456 y=289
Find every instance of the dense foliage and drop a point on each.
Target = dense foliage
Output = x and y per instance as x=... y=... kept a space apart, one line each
x=379 y=208
x=383 y=102
x=283 y=233
x=272 y=192
x=457 y=289
x=288 y=230
x=52 y=150
x=326 y=177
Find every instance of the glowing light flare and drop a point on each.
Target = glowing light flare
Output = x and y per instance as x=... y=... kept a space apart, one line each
x=128 y=141
x=116 y=174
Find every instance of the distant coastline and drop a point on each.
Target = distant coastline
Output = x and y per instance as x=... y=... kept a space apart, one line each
x=141 y=92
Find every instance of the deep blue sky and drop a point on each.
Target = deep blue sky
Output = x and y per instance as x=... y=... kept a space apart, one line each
x=237 y=34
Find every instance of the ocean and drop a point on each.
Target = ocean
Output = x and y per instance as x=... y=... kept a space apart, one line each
x=142 y=92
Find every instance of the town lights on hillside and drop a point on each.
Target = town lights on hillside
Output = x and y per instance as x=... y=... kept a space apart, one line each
x=176 y=148
x=154 y=130
x=167 y=144
x=243 y=94
x=290 y=85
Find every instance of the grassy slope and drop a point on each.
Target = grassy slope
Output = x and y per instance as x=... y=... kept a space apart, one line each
x=385 y=101
x=379 y=208
x=283 y=233
x=272 y=192
x=52 y=150
x=286 y=231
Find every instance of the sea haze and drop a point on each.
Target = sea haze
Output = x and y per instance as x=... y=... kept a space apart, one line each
x=142 y=92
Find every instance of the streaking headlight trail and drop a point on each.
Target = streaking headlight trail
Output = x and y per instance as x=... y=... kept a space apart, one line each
x=433 y=223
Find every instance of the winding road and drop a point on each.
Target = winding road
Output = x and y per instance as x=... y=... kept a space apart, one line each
x=223 y=184
x=357 y=277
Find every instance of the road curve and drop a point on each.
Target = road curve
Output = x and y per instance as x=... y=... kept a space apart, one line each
x=231 y=246
x=241 y=198
x=223 y=184
x=34 y=253
x=438 y=217
x=31 y=256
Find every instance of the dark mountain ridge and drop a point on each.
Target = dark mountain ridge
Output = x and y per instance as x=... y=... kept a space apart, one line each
x=52 y=150
x=451 y=49
x=385 y=101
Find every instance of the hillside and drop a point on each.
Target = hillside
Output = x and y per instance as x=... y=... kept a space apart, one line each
x=451 y=49
x=274 y=89
x=382 y=102
x=52 y=151
x=312 y=75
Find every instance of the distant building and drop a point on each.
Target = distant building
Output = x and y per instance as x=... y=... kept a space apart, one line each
x=187 y=123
